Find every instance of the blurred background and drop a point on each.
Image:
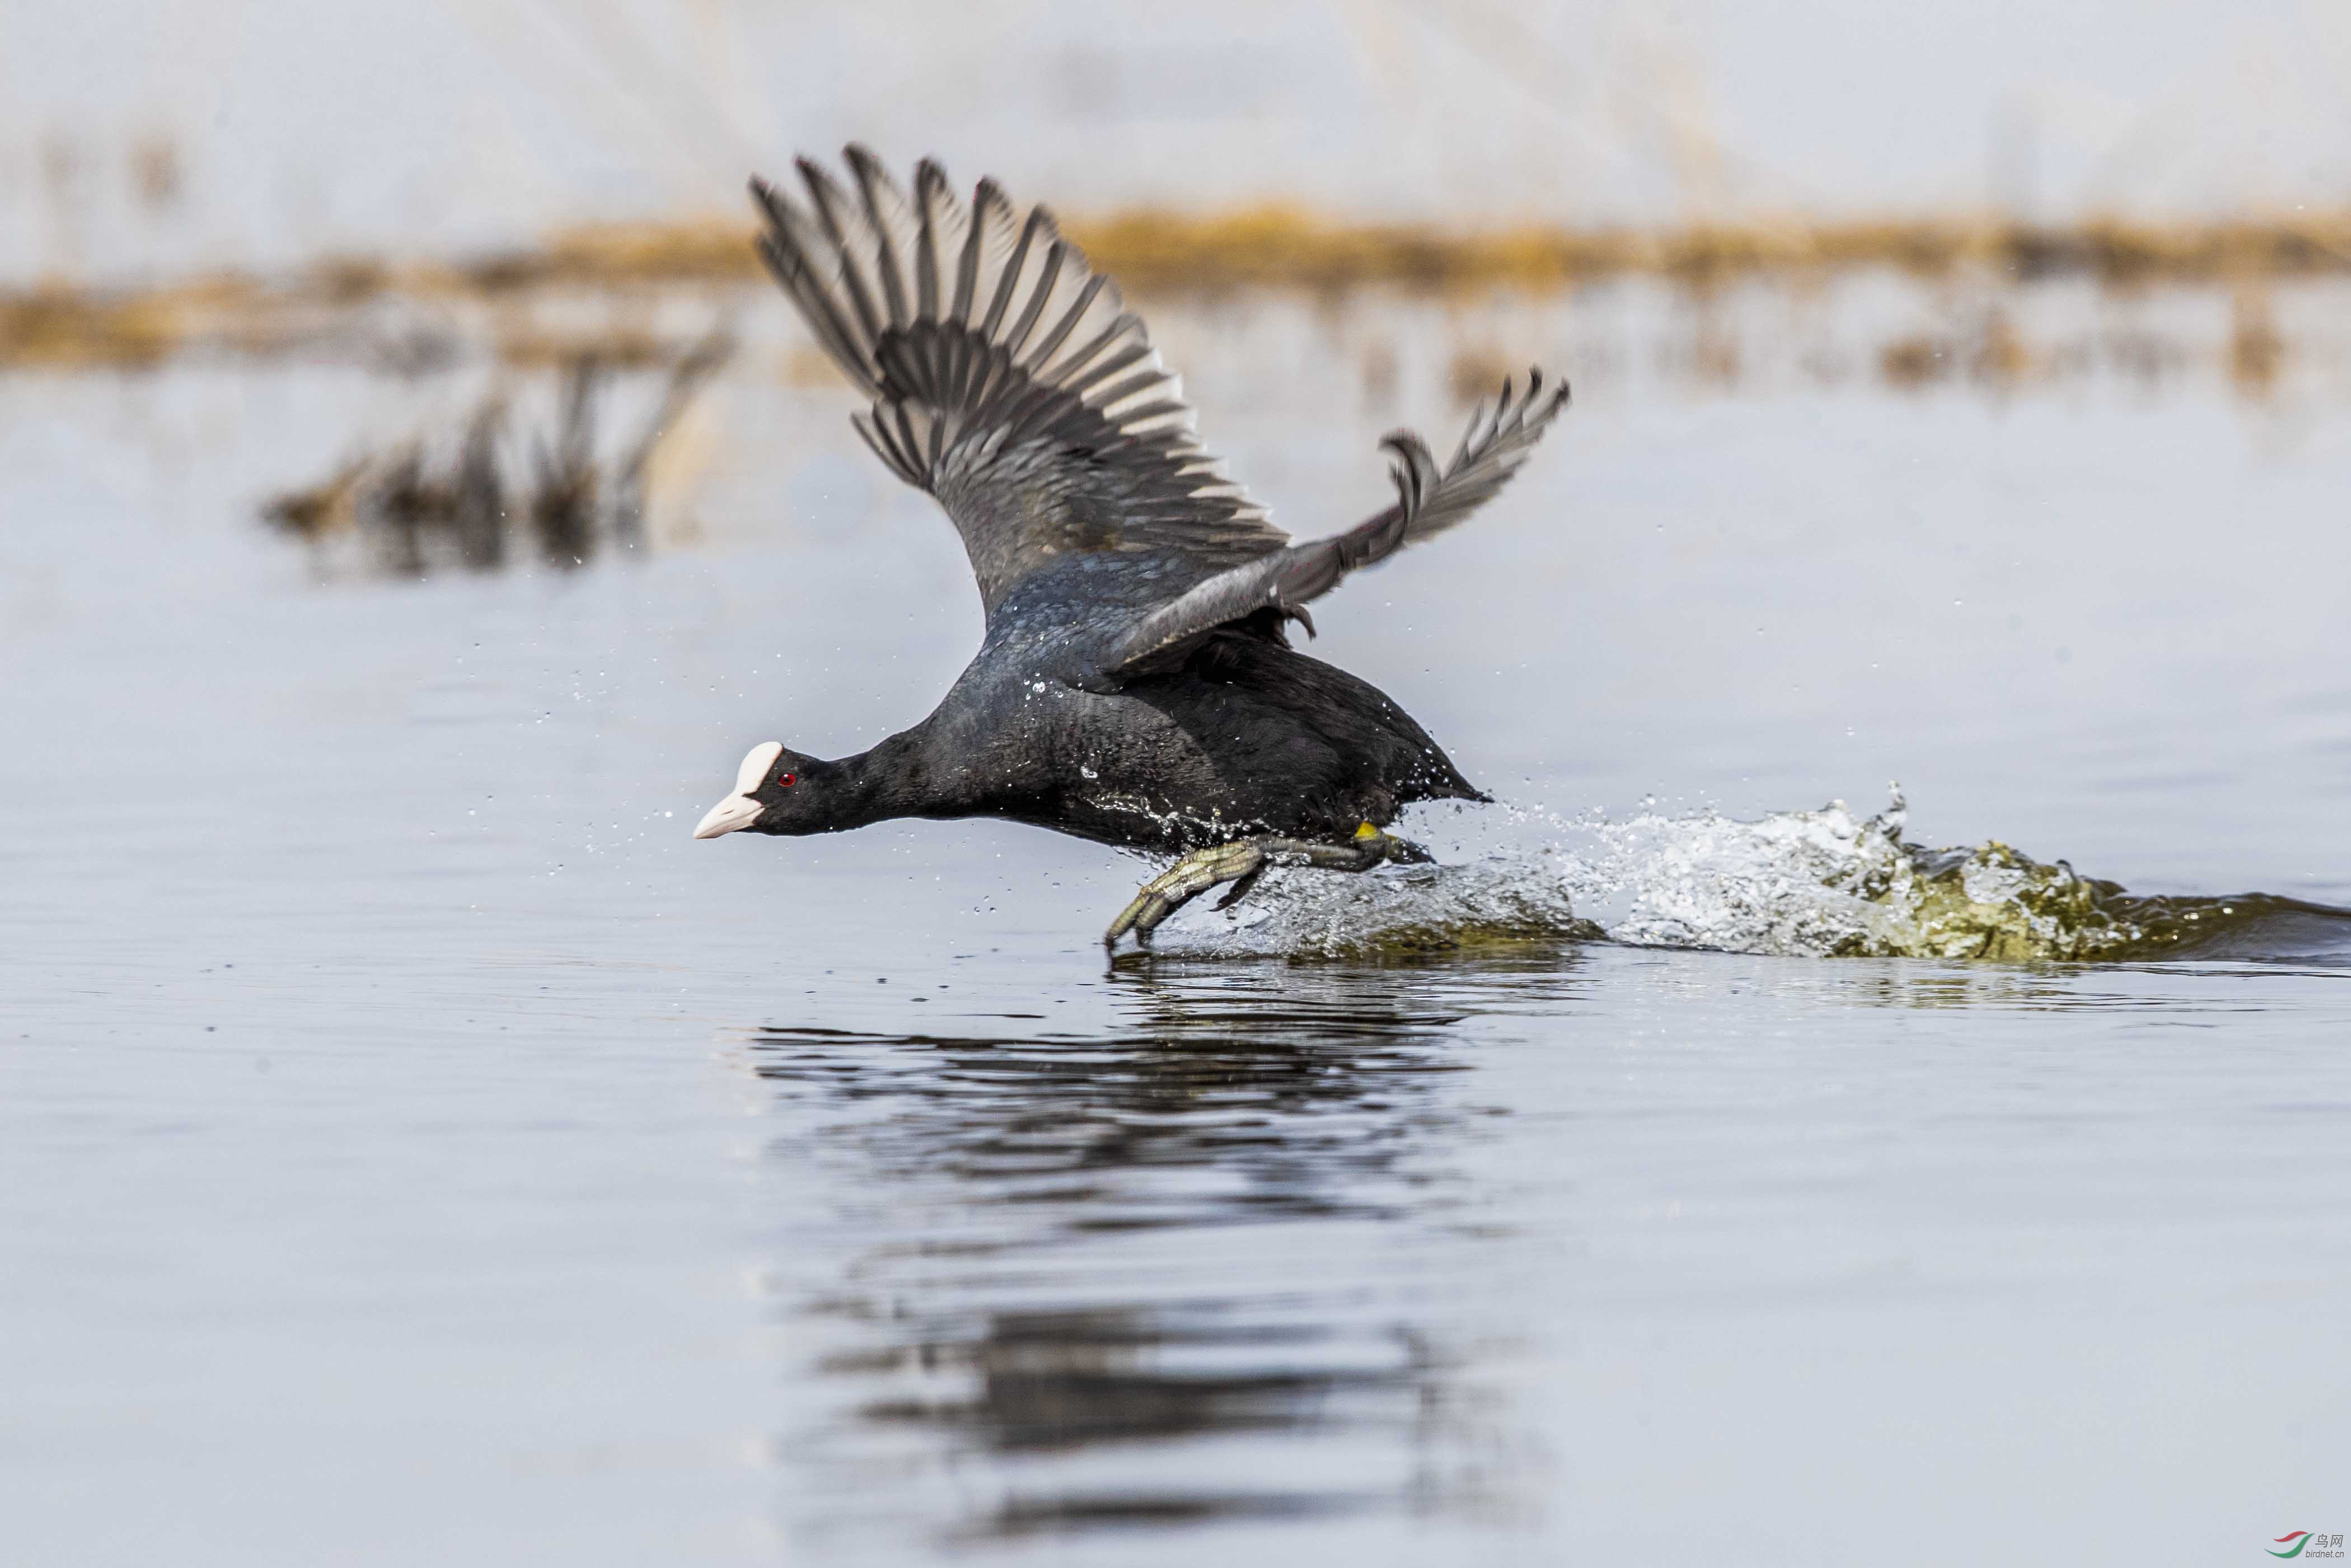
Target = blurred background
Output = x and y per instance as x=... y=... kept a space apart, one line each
x=514 y=200
x=145 y=140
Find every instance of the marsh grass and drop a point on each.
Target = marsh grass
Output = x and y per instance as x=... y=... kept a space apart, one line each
x=463 y=497
x=323 y=308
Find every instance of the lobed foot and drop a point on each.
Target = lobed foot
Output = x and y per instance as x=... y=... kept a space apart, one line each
x=1241 y=863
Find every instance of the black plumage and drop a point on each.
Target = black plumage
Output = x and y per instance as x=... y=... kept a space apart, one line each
x=1135 y=685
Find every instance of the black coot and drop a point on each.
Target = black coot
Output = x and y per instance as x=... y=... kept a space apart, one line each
x=1135 y=686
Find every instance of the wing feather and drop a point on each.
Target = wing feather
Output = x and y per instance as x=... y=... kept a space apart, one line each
x=1007 y=287
x=1500 y=437
x=962 y=334
x=887 y=221
x=840 y=220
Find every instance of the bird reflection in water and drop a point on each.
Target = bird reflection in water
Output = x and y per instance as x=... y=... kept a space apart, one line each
x=1206 y=1268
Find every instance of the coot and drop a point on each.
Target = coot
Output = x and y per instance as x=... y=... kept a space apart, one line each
x=1135 y=686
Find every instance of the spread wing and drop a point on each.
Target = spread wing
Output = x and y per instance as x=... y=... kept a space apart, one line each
x=1429 y=499
x=1006 y=377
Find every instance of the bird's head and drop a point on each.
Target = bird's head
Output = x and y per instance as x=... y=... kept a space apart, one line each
x=775 y=791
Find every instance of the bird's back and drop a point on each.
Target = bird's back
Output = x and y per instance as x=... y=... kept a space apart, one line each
x=1249 y=736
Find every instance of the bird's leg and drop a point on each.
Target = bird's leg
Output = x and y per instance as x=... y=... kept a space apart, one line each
x=1239 y=890
x=1241 y=863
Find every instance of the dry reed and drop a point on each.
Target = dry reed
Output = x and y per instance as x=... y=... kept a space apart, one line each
x=56 y=326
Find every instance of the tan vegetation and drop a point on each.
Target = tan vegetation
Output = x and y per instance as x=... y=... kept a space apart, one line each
x=59 y=326
x=460 y=497
x=55 y=326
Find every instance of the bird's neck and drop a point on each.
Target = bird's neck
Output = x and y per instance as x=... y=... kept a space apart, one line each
x=894 y=779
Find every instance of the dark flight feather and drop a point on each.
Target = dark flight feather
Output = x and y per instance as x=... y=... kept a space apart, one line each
x=993 y=363
x=1008 y=379
x=1429 y=499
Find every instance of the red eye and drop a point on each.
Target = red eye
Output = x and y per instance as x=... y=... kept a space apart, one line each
x=785 y=780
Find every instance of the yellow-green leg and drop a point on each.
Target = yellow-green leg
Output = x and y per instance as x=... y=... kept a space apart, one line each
x=1241 y=863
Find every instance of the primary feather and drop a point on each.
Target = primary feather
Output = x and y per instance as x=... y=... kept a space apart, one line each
x=1429 y=499
x=1008 y=380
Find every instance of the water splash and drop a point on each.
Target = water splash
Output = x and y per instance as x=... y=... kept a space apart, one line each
x=1823 y=884
x=1827 y=884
